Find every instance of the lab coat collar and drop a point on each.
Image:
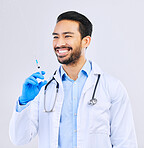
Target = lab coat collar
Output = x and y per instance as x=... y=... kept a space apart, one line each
x=95 y=68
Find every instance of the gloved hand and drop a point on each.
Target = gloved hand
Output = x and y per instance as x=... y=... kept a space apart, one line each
x=31 y=87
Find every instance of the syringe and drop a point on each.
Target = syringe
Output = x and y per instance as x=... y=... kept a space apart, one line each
x=38 y=66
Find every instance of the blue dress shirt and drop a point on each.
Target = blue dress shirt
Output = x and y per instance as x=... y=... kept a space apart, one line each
x=72 y=94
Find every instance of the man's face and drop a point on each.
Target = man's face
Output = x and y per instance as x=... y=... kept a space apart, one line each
x=67 y=42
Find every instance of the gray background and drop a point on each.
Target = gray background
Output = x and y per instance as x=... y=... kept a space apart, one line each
x=117 y=46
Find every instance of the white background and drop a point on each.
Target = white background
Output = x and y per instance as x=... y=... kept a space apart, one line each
x=117 y=46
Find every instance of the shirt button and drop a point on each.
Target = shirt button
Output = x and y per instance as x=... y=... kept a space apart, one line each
x=75 y=131
x=75 y=83
x=75 y=114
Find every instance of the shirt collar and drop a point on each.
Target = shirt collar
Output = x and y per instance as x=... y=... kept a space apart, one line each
x=86 y=69
x=62 y=73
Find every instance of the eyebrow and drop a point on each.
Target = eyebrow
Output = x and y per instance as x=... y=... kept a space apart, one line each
x=62 y=33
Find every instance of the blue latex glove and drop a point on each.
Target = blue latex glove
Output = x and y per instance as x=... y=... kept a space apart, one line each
x=31 y=87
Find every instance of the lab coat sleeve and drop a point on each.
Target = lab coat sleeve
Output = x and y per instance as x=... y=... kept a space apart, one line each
x=19 y=107
x=122 y=124
x=24 y=124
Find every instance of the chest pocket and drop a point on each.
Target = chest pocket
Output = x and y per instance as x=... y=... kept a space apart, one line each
x=99 y=118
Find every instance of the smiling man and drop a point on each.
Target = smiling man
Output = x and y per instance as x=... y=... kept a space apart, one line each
x=70 y=45
x=84 y=107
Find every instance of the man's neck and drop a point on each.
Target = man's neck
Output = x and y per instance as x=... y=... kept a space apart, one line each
x=73 y=70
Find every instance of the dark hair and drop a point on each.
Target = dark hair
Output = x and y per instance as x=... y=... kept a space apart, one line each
x=85 y=26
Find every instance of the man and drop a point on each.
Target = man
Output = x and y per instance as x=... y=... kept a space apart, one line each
x=70 y=119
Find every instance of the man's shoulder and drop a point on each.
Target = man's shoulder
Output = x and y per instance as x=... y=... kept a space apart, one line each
x=110 y=83
x=107 y=77
x=114 y=86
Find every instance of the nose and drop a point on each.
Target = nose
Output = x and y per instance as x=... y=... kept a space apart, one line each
x=60 y=42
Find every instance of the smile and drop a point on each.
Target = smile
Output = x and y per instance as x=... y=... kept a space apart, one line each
x=62 y=51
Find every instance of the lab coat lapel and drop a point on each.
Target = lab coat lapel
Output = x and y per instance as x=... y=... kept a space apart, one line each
x=56 y=114
x=61 y=92
x=57 y=77
x=91 y=80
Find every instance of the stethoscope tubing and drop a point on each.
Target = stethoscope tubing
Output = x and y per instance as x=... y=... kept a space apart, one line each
x=92 y=102
x=57 y=89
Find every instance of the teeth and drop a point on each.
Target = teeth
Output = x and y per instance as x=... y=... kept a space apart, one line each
x=63 y=51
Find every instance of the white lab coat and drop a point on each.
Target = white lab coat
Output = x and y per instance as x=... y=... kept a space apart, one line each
x=108 y=124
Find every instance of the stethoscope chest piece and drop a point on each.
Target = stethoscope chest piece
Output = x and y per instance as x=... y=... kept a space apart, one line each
x=92 y=102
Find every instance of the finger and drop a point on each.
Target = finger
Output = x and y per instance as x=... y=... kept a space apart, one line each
x=43 y=72
x=33 y=79
x=41 y=84
x=38 y=75
x=28 y=81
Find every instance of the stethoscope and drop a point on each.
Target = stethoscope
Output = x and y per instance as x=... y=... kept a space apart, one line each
x=91 y=102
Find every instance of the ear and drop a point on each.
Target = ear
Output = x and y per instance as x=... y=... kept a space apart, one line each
x=86 y=41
